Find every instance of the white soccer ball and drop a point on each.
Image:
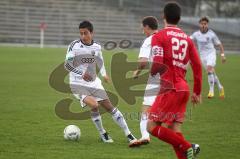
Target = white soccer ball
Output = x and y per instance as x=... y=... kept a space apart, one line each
x=72 y=132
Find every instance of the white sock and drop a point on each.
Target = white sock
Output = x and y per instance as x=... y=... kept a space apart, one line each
x=216 y=80
x=119 y=119
x=211 y=81
x=143 y=126
x=97 y=120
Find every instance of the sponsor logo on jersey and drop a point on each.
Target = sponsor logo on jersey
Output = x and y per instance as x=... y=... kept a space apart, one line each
x=157 y=51
x=88 y=60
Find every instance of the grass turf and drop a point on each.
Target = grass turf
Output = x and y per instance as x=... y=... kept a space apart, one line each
x=29 y=127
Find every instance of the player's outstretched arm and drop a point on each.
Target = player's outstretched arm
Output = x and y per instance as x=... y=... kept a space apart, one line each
x=223 y=57
x=196 y=99
x=218 y=43
x=102 y=69
x=158 y=66
x=197 y=73
x=158 y=58
x=69 y=66
x=106 y=79
x=142 y=63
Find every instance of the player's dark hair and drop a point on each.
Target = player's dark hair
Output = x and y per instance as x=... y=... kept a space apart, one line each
x=172 y=12
x=205 y=18
x=86 y=24
x=151 y=22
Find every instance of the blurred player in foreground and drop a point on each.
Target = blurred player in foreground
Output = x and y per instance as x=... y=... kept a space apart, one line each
x=83 y=56
x=206 y=39
x=150 y=26
x=174 y=50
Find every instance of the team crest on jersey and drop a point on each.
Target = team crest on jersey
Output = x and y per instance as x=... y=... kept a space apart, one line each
x=81 y=46
x=208 y=38
x=93 y=52
x=156 y=50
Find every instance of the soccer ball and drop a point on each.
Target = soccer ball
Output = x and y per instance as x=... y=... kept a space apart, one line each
x=72 y=132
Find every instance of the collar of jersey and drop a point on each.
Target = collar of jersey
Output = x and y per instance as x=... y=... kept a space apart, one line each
x=172 y=27
x=204 y=32
x=87 y=44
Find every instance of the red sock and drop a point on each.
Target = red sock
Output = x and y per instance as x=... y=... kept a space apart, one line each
x=180 y=135
x=169 y=136
x=178 y=152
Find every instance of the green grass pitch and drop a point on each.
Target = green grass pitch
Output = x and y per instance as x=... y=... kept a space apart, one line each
x=29 y=127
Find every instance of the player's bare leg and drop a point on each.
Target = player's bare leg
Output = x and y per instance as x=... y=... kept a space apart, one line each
x=96 y=118
x=119 y=119
x=91 y=102
x=107 y=105
x=211 y=77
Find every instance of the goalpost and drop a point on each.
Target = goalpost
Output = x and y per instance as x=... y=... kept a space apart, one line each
x=43 y=26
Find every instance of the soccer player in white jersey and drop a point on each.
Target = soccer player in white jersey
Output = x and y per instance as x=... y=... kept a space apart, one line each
x=206 y=39
x=149 y=26
x=83 y=56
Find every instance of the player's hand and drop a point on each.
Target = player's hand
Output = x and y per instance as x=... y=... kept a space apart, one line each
x=107 y=79
x=223 y=58
x=136 y=73
x=87 y=77
x=196 y=99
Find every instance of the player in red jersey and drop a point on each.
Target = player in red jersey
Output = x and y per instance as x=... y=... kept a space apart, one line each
x=173 y=50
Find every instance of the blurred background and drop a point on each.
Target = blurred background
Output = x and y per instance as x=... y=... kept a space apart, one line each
x=116 y=20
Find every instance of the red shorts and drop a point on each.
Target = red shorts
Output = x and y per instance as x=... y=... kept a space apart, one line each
x=169 y=107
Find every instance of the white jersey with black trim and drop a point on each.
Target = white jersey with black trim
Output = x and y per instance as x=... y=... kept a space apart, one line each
x=146 y=52
x=145 y=49
x=206 y=42
x=81 y=58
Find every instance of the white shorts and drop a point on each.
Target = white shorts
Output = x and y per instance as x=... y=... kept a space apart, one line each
x=209 y=60
x=82 y=91
x=84 y=96
x=151 y=91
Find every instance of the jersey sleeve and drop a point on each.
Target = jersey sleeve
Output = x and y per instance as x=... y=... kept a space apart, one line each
x=100 y=64
x=157 y=50
x=216 y=40
x=196 y=67
x=69 y=62
x=145 y=49
x=70 y=54
x=193 y=36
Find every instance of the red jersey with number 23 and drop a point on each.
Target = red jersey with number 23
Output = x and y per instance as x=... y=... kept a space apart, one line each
x=174 y=49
